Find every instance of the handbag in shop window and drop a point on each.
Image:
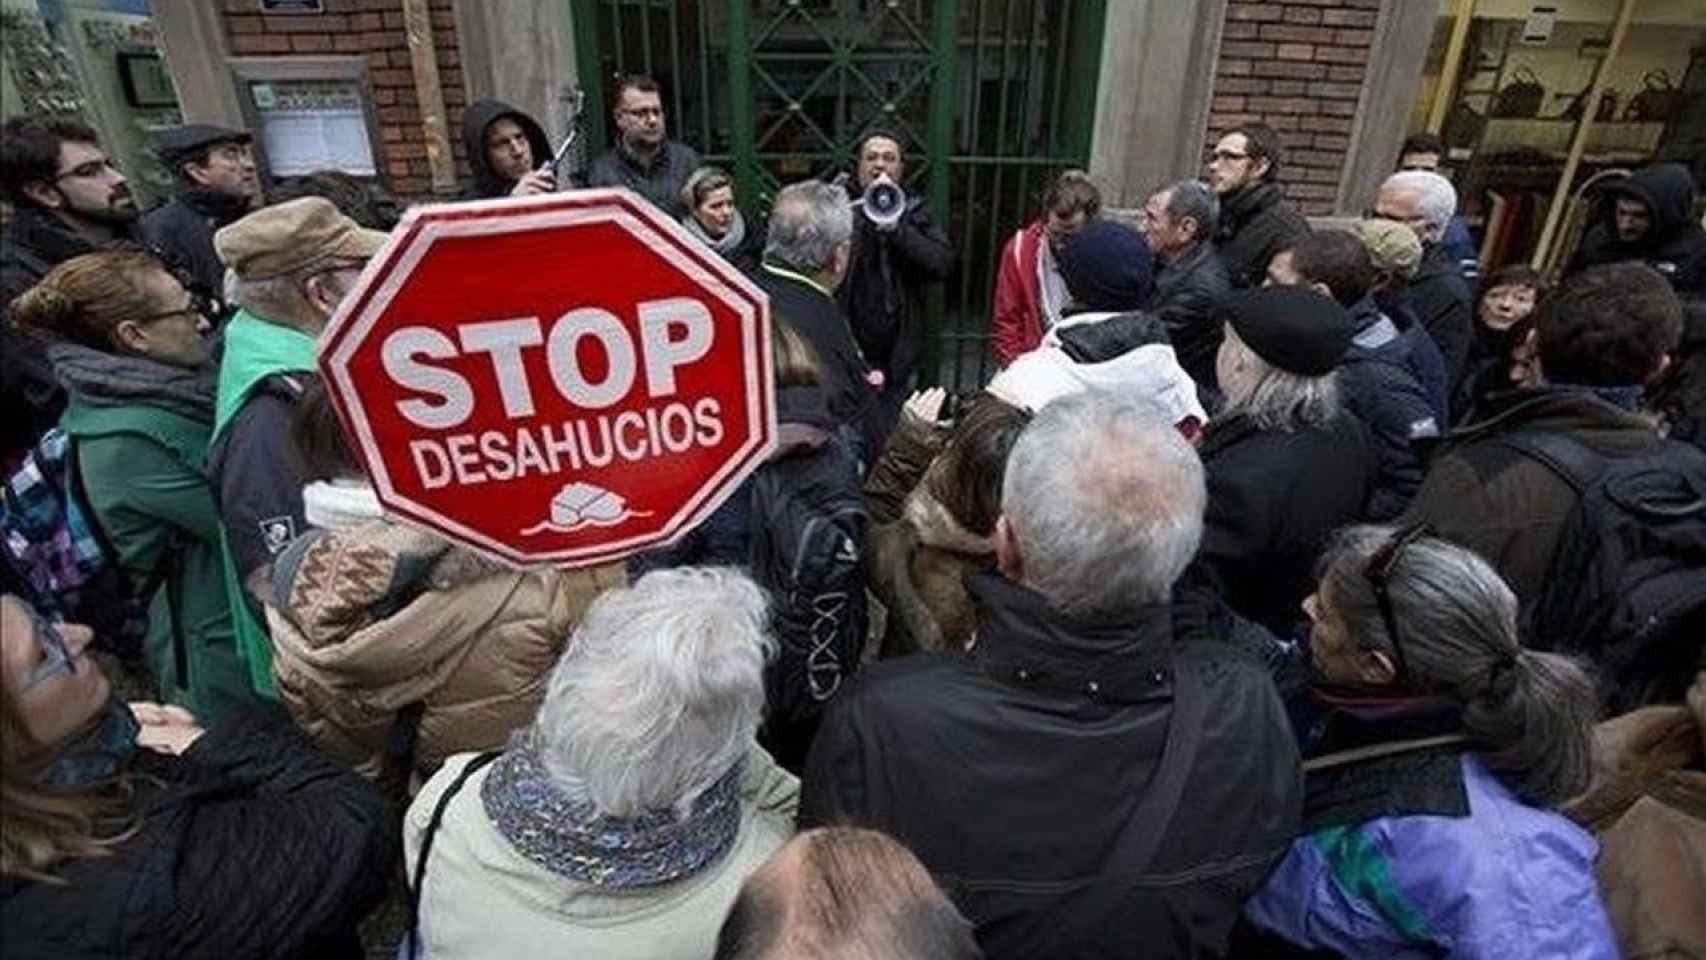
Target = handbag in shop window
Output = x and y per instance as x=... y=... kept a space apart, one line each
x=1657 y=102
x=1519 y=98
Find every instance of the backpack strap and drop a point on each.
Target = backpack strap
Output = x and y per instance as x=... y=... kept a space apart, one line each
x=415 y=888
x=1565 y=456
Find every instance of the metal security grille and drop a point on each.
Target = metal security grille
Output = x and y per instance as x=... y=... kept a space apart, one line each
x=989 y=98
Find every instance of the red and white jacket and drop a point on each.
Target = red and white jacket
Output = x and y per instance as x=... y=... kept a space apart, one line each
x=1018 y=324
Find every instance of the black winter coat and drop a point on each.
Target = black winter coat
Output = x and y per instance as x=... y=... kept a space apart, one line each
x=254 y=846
x=883 y=291
x=817 y=317
x=1439 y=297
x=182 y=230
x=808 y=523
x=1080 y=788
x=1274 y=499
x=1674 y=245
x=1255 y=223
x=35 y=243
x=1188 y=295
x=1380 y=383
x=661 y=182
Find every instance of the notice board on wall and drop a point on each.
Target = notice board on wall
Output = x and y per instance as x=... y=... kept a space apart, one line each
x=309 y=115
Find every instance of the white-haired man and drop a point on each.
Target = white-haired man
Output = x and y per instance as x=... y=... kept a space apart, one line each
x=1066 y=775
x=1437 y=294
x=808 y=246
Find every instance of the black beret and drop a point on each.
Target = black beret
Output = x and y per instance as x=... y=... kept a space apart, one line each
x=1295 y=329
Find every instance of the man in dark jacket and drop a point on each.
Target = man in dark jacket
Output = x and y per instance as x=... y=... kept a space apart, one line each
x=218 y=185
x=1256 y=222
x=1380 y=378
x=891 y=263
x=805 y=260
x=1437 y=294
x=1086 y=779
x=68 y=199
x=507 y=151
x=1650 y=218
x=1601 y=336
x=1179 y=222
x=644 y=159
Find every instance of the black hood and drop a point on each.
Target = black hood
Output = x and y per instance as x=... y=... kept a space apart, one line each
x=1666 y=190
x=482 y=114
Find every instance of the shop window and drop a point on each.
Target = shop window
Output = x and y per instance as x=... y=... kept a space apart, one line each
x=1511 y=108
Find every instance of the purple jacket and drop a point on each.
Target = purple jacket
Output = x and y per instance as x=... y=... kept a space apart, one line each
x=1508 y=881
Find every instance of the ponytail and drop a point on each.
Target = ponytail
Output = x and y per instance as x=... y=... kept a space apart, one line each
x=1528 y=715
x=1533 y=717
x=44 y=309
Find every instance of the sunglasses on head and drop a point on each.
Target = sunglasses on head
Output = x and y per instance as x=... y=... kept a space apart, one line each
x=1378 y=573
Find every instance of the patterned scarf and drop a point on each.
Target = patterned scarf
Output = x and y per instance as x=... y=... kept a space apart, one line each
x=569 y=837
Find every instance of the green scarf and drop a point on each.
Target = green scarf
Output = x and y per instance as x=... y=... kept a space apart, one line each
x=254 y=351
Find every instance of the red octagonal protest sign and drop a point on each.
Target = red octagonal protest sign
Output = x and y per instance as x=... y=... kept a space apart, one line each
x=564 y=379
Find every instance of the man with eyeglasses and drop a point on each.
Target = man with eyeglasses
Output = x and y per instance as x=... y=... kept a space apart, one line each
x=1256 y=222
x=68 y=198
x=292 y=264
x=644 y=159
x=217 y=184
x=1437 y=294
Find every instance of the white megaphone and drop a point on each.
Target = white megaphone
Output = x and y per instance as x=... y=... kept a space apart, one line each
x=883 y=202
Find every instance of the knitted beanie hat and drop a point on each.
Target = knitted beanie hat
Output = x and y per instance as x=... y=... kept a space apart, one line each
x=1107 y=266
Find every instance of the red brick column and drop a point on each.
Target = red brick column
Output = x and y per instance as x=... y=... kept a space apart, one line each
x=373 y=28
x=1297 y=66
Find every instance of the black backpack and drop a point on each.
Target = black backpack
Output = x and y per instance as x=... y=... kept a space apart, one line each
x=1626 y=590
x=808 y=546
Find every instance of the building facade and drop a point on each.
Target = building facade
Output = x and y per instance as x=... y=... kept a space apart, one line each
x=989 y=97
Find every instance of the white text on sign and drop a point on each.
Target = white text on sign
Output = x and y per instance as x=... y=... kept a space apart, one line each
x=674 y=332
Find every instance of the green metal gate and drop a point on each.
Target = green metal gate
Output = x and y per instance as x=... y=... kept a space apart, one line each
x=990 y=97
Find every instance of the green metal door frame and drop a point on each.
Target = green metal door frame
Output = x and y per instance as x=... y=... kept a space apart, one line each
x=1010 y=87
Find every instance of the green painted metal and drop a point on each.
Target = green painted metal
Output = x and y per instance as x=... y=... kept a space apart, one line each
x=990 y=98
x=584 y=20
x=740 y=101
x=942 y=96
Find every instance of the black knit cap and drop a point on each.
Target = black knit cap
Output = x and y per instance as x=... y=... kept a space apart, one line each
x=1295 y=329
x=1107 y=266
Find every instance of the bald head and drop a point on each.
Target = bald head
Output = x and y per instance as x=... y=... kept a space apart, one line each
x=846 y=894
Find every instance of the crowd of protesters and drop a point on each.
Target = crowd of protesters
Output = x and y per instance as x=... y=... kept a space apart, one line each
x=1286 y=592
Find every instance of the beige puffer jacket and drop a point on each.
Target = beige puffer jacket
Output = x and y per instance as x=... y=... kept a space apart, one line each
x=370 y=618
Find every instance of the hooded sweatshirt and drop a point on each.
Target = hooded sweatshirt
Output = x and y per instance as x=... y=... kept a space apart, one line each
x=480 y=115
x=1674 y=245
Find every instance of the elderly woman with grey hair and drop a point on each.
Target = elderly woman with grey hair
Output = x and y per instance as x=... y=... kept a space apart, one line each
x=1439 y=749
x=624 y=820
x=1286 y=465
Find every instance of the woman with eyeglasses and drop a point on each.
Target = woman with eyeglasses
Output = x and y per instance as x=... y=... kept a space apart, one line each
x=128 y=343
x=1433 y=768
x=128 y=831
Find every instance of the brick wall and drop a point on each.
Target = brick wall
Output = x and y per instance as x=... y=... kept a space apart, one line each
x=1297 y=66
x=373 y=28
